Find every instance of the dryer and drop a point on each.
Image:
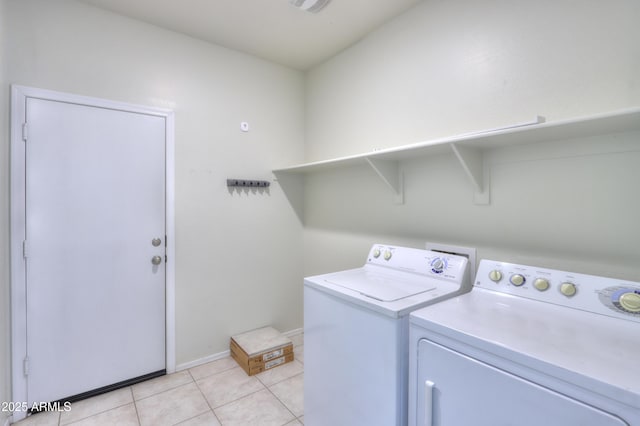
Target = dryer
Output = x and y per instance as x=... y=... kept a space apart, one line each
x=528 y=346
x=356 y=328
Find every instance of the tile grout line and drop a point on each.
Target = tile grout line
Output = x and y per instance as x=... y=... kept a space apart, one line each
x=237 y=399
x=135 y=407
x=237 y=366
x=95 y=414
x=212 y=374
x=286 y=378
x=249 y=394
x=163 y=391
x=176 y=387
x=280 y=381
x=193 y=380
x=282 y=402
x=205 y=398
x=284 y=405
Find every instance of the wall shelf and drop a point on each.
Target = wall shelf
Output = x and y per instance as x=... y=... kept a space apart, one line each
x=469 y=148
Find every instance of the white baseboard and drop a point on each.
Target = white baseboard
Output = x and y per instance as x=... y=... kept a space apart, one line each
x=200 y=361
x=220 y=355
x=293 y=332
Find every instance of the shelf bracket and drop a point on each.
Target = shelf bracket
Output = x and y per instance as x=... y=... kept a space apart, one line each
x=390 y=173
x=292 y=186
x=472 y=161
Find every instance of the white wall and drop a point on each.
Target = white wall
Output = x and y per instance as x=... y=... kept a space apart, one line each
x=238 y=255
x=445 y=68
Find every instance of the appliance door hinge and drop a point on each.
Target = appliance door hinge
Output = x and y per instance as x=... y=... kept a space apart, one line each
x=25 y=365
x=25 y=131
x=25 y=249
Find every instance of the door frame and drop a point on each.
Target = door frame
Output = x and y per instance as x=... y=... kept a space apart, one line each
x=19 y=95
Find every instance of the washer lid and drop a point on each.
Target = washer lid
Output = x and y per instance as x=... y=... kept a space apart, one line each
x=381 y=285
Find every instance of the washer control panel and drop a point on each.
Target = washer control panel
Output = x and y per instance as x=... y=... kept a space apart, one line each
x=419 y=261
x=606 y=296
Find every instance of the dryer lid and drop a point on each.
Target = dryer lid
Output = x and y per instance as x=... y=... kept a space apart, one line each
x=382 y=285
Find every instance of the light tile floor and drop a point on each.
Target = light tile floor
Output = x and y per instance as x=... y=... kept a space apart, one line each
x=216 y=393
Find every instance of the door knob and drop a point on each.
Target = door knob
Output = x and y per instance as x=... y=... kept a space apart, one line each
x=156 y=260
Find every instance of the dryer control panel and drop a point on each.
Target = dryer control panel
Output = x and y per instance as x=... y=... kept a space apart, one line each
x=606 y=296
x=419 y=261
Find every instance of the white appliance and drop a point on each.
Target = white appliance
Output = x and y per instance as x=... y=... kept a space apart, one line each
x=313 y=6
x=356 y=329
x=528 y=346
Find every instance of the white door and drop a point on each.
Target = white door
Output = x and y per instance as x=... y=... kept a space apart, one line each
x=454 y=389
x=95 y=201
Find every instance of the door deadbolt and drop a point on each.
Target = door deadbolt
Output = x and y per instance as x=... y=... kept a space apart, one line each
x=156 y=242
x=156 y=260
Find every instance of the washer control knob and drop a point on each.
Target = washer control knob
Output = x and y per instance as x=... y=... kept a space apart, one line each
x=438 y=265
x=495 y=275
x=376 y=253
x=568 y=289
x=630 y=301
x=387 y=255
x=517 y=280
x=541 y=284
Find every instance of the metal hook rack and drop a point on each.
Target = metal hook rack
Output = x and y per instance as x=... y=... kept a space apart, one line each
x=248 y=183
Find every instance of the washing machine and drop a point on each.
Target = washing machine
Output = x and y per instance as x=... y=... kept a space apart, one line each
x=356 y=329
x=528 y=346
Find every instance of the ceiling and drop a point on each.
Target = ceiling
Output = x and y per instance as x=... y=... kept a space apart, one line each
x=270 y=29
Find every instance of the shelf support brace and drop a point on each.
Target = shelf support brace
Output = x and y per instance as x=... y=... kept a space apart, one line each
x=472 y=162
x=390 y=173
x=293 y=188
